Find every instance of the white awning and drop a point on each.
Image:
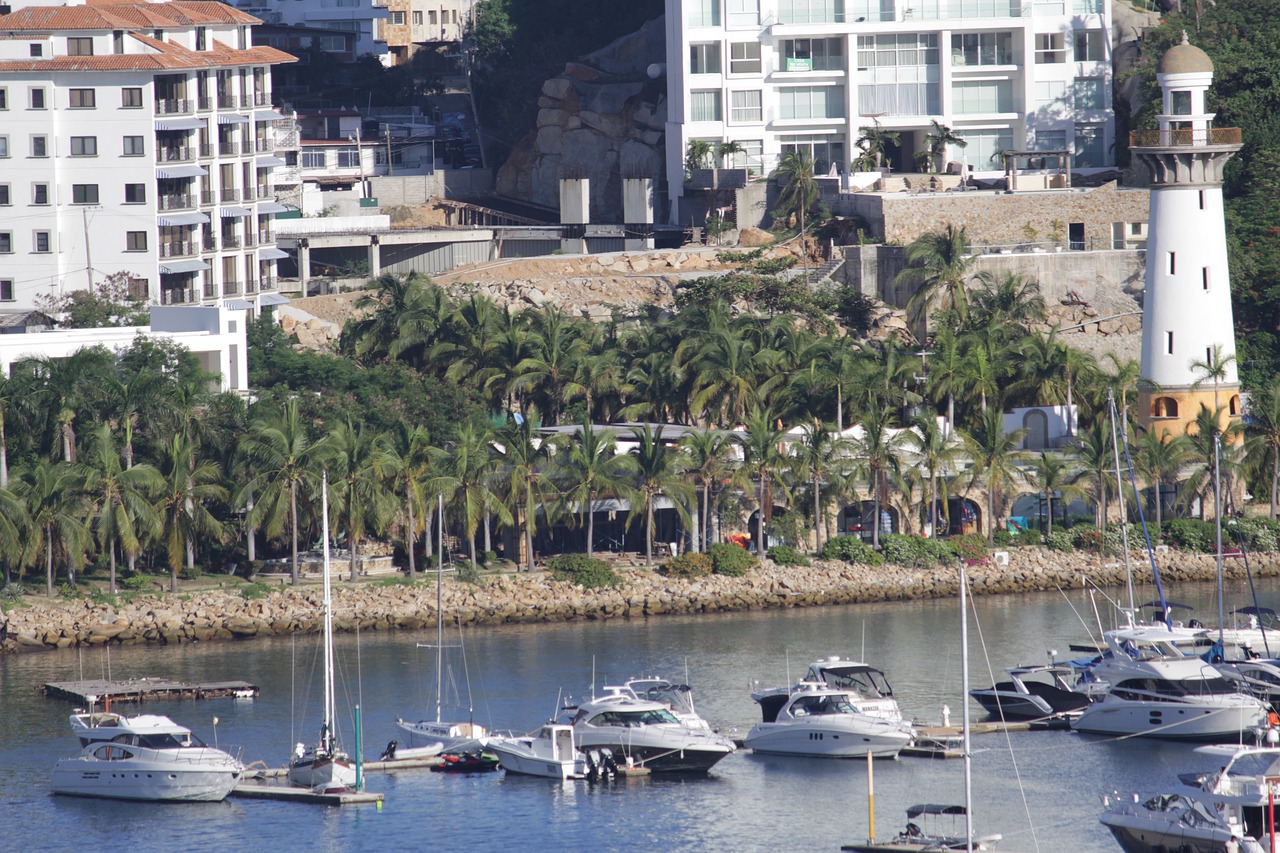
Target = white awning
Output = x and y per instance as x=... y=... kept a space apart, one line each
x=271 y=253
x=170 y=267
x=237 y=304
x=182 y=218
x=234 y=212
x=267 y=162
x=273 y=299
x=271 y=207
x=180 y=171
x=232 y=118
x=266 y=115
x=179 y=123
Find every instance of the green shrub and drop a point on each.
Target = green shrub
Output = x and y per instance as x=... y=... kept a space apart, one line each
x=466 y=572
x=251 y=591
x=1002 y=537
x=12 y=591
x=1058 y=540
x=971 y=547
x=688 y=566
x=1260 y=534
x=1192 y=534
x=727 y=559
x=785 y=555
x=583 y=570
x=66 y=590
x=915 y=551
x=189 y=573
x=136 y=582
x=851 y=549
x=488 y=558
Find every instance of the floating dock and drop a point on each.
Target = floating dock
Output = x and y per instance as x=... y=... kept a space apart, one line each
x=146 y=690
x=264 y=790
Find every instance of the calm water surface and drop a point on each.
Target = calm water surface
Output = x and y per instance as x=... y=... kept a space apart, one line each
x=1040 y=790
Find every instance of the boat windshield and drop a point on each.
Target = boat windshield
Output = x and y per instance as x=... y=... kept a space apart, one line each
x=1130 y=688
x=807 y=706
x=632 y=719
x=678 y=696
x=1255 y=764
x=160 y=740
x=862 y=680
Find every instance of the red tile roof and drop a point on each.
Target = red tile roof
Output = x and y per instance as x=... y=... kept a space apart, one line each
x=166 y=56
x=115 y=15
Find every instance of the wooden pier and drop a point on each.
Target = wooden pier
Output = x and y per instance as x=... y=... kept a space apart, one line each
x=138 y=690
x=266 y=790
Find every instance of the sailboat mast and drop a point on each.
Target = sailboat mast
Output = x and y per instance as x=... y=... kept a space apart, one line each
x=439 y=610
x=1217 y=523
x=964 y=704
x=1124 y=528
x=329 y=709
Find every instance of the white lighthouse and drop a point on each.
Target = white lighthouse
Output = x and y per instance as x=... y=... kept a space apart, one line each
x=1186 y=317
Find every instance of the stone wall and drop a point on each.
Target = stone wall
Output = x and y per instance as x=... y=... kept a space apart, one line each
x=504 y=599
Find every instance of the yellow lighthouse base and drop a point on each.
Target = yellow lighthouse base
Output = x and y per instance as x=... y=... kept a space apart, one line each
x=1173 y=411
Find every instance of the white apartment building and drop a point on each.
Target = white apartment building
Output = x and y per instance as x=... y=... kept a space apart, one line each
x=813 y=75
x=361 y=18
x=137 y=138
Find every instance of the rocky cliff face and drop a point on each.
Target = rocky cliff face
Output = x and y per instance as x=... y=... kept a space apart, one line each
x=603 y=119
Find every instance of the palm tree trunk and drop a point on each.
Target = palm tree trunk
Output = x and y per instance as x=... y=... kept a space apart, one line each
x=706 y=517
x=428 y=528
x=488 y=533
x=528 y=540
x=991 y=514
x=648 y=532
x=471 y=541
x=817 y=516
x=293 y=523
x=412 y=537
x=1048 y=506
x=1275 y=477
x=591 y=524
x=761 y=547
x=113 y=568
x=352 y=542
x=4 y=456
x=839 y=407
x=951 y=413
x=249 y=533
x=48 y=559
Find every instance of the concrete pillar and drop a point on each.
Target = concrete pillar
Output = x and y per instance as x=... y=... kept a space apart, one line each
x=304 y=264
x=637 y=213
x=575 y=213
x=375 y=257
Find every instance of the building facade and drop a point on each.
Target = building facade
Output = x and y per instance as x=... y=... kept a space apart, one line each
x=137 y=140
x=818 y=76
x=362 y=20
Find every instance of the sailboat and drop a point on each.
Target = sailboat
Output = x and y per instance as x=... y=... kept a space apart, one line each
x=439 y=734
x=917 y=839
x=323 y=766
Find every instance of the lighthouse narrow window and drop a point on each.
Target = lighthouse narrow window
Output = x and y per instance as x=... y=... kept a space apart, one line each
x=1172 y=264
x=1202 y=199
x=1169 y=342
x=1204 y=272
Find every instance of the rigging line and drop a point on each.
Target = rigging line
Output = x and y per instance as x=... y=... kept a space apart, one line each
x=1142 y=517
x=1244 y=553
x=1070 y=604
x=1017 y=774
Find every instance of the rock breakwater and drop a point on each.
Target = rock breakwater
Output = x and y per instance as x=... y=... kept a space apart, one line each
x=227 y=614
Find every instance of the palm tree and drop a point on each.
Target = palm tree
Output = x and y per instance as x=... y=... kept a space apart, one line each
x=14 y=530
x=373 y=335
x=121 y=512
x=526 y=462
x=995 y=456
x=726 y=376
x=936 y=452
x=708 y=453
x=15 y=398
x=1009 y=299
x=697 y=155
x=592 y=468
x=1215 y=467
x=1214 y=367
x=353 y=456
x=1263 y=445
x=128 y=398
x=658 y=470
x=799 y=189
x=1096 y=454
x=937 y=140
x=406 y=461
x=818 y=455
x=66 y=388
x=281 y=456
x=874 y=143
x=557 y=344
x=878 y=454
x=938 y=265
x=724 y=151
x=464 y=472
x=1055 y=472
x=188 y=487
x=51 y=495
x=1160 y=458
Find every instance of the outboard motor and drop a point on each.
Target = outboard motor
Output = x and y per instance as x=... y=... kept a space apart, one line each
x=389 y=754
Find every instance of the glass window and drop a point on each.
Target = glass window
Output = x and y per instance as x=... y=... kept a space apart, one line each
x=37 y=49
x=39 y=146
x=702 y=13
x=79 y=47
x=1051 y=140
x=135 y=193
x=84 y=193
x=313 y=159
x=1089 y=93
x=1181 y=103
x=134 y=146
x=985 y=148
x=744 y=13
x=751 y=157
x=348 y=159
x=823 y=151
x=82 y=99
x=813 y=55
x=417 y=19
x=1089 y=46
x=84 y=146
x=5 y=198
x=830 y=11
x=981 y=49
x=4 y=146
x=1051 y=91
x=135 y=241
x=704 y=105
x=1090 y=150
x=6 y=242
x=811 y=102
x=744 y=57
x=397 y=18
x=39 y=193
x=704 y=58
x=131 y=97
x=37 y=98
x=982 y=96
x=1049 y=48
x=899 y=75
x=41 y=241
x=6 y=290
x=745 y=107
x=4 y=98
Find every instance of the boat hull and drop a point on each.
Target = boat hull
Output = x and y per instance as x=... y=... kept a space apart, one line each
x=515 y=759
x=322 y=773
x=1137 y=835
x=149 y=781
x=1171 y=720
x=450 y=737
x=1012 y=706
x=659 y=758
x=821 y=739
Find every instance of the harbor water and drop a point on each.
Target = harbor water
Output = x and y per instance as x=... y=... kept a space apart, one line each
x=1039 y=790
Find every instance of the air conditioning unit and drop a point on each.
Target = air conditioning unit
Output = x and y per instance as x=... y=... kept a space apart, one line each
x=1162 y=549
x=1000 y=558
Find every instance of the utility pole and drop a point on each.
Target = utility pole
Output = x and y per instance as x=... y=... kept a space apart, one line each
x=88 y=257
x=391 y=169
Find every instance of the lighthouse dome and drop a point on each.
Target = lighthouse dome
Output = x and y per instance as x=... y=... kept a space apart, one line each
x=1184 y=58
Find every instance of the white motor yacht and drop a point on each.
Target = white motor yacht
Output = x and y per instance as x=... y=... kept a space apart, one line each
x=820 y=721
x=866 y=687
x=1023 y=697
x=644 y=733
x=550 y=753
x=677 y=697
x=1203 y=813
x=1154 y=690
x=146 y=757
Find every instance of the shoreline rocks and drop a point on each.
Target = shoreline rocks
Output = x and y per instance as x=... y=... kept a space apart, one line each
x=226 y=614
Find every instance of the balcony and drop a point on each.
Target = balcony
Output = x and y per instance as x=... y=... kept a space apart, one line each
x=206 y=151
x=268 y=284
x=181 y=154
x=250 y=241
x=210 y=243
x=260 y=99
x=177 y=202
x=250 y=287
x=264 y=191
x=267 y=238
x=229 y=195
x=210 y=290
x=262 y=146
x=228 y=149
x=228 y=102
x=1184 y=137
x=178 y=296
x=173 y=107
x=204 y=104
x=177 y=249
x=208 y=197
x=231 y=288
x=230 y=241
x=286 y=141
x=248 y=194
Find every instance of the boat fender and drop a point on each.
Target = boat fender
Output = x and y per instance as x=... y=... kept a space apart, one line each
x=389 y=754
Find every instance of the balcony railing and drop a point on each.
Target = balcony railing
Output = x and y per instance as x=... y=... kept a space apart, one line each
x=262 y=146
x=177 y=249
x=266 y=238
x=228 y=102
x=286 y=140
x=206 y=151
x=1184 y=137
x=210 y=290
x=248 y=194
x=178 y=296
x=177 y=202
x=230 y=241
x=175 y=155
x=228 y=149
x=229 y=194
x=208 y=197
x=267 y=284
x=250 y=241
x=210 y=243
x=263 y=191
x=231 y=288
x=250 y=287
x=260 y=99
x=169 y=107
x=204 y=104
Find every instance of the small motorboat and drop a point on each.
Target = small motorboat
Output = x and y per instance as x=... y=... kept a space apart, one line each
x=865 y=686
x=396 y=752
x=466 y=762
x=550 y=753
x=1023 y=697
x=644 y=734
x=924 y=832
